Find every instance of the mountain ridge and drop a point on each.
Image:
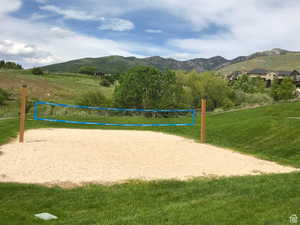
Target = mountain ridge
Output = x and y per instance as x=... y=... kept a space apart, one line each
x=118 y=64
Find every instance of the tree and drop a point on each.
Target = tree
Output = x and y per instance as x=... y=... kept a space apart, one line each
x=211 y=87
x=147 y=87
x=37 y=71
x=284 y=90
x=90 y=70
x=10 y=65
x=2 y=64
x=249 y=85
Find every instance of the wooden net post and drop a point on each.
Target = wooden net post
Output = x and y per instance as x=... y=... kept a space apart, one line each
x=23 y=95
x=203 y=121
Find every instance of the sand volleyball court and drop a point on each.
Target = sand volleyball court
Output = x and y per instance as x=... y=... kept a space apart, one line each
x=78 y=156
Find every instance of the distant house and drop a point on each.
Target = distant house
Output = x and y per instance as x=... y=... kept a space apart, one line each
x=234 y=75
x=257 y=72
x=283 y=73
x=279 y=75
x=295 y=74
x=268 y=76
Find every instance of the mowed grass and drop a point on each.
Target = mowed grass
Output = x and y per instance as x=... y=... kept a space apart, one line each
x=256 y=200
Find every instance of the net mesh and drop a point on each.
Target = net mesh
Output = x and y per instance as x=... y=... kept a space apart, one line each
x=113 y=116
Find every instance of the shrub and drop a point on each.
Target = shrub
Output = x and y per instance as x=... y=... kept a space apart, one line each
x=284 y=90
x=244 y=99
x=249 y=85
x=218 y=110
x=37 y=71
x=95 y=98
x=4 y=96
x=258 y=98
x=105 y=83
x=90 y=70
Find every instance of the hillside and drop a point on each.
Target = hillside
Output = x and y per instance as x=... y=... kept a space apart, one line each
x=119 y=64
x=63 y=87
x=275 y=59
x=288 y=61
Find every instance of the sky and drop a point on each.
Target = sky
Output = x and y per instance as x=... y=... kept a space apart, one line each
x=42 y=32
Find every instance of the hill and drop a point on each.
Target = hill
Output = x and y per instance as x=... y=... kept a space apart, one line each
x=269 y=60
x=66 y=88
x=276 y=59
x=119 y=64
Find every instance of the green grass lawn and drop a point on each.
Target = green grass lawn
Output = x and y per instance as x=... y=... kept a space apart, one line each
x=265 y=132
x=257 y=200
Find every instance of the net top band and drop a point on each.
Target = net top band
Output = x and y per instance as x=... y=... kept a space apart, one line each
x=115 y=109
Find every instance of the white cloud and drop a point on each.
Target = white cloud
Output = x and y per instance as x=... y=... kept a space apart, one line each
x=9 y=6
x=247 y=26
x=15 y=48
x=39 y=43
x=116 y=24
x=69 y=13
x=254 y=27
x=59 y=32
x=19 y=51
x=154 y=31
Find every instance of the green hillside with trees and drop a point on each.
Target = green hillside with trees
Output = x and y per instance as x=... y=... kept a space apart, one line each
x=275 y=59
x=120 y=64
x=282 y=62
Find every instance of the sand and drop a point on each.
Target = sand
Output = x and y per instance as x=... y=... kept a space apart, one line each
x=57 y=156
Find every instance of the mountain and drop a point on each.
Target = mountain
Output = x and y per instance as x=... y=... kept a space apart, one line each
x=119 y=64
x=276 y=59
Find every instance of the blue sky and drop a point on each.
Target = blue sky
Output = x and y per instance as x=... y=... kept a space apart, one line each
x=40 y=32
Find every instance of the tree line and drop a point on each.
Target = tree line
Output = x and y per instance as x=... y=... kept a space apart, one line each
x=10 y=65
x=149 y=88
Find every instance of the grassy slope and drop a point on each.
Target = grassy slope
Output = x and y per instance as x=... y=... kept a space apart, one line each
x=289 y=61
x=62 y=87
x=109 y=64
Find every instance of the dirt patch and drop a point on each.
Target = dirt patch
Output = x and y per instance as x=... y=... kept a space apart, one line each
x=73 y=156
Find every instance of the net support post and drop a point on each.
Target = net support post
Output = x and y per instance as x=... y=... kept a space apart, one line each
x=23 y=96
x=203 y=121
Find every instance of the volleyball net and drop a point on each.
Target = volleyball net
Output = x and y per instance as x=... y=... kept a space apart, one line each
x=87 y=115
